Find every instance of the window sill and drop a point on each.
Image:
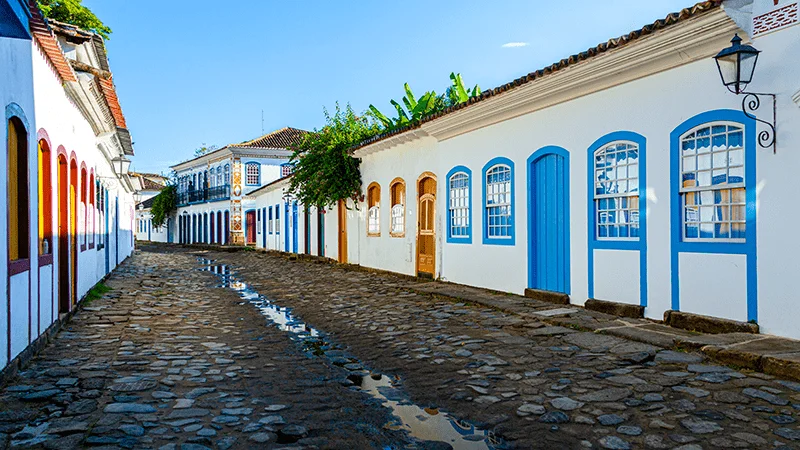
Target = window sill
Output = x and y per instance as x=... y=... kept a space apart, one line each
x=19 y=266
x=83 y=247
x=45 y=260
x=401 y=234
x=373 y=235
x=499 y=241
x=459 y=240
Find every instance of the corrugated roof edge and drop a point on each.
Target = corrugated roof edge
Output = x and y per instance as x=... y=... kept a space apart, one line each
x=611 y=44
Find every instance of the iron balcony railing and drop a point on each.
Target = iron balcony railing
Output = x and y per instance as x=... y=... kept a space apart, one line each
x=212 y=194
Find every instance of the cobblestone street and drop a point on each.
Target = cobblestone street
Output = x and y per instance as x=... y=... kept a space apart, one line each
x=179 y=357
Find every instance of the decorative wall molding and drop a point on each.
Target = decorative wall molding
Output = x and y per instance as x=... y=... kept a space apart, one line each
x=775 y=19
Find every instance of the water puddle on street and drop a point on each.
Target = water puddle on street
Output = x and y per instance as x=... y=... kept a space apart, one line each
x=425 y=424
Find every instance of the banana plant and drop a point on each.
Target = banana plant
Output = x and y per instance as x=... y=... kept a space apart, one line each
x=413 y=109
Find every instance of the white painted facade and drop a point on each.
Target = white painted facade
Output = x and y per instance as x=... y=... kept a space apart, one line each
x=52 y=115
x=660 y=84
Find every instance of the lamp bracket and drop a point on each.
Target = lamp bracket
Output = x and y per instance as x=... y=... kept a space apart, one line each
x=750 y=103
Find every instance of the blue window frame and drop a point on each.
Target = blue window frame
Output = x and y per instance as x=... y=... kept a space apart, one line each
x=252 y=174
x=498 y=202
x=277 y=219
x=713 y=201
x=617 y=219
x=271 y=225
x=459 y=205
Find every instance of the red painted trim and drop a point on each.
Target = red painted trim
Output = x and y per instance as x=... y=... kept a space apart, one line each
x=45 y=260
x=42 y=135
x=18 y=266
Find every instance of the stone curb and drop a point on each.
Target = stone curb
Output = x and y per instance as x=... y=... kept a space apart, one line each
x=614 y=308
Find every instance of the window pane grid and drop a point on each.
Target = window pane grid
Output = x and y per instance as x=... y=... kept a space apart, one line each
x=374 y=223
x=459 y=205
x=498 y=202
x=252 y=173
x=398 y=222
x=616 y=180
x=712 y=184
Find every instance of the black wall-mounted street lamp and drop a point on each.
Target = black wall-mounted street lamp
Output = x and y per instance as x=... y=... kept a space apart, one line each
x=736 y=65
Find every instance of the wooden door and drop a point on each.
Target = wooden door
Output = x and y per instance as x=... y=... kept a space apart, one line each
x=250 y=224
x=426 y=227
x=63 y=237
x=73 y=232
x=342 y=231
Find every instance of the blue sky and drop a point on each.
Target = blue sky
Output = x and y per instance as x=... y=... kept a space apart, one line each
x=201 y=71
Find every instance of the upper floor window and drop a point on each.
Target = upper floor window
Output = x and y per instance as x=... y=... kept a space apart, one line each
x=220 y=180
x=252 y=173
x=498 y=216
x=616 y=191
x=18 y=221
x=398 y=193
x=227 y=174
x=286 y=170
x=713 y=183
x=459 y=206
x=374 y=210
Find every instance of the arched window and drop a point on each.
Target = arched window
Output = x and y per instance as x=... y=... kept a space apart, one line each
x=616 y=191
x=18 y=205
x=459 y=206
x=713 y=183
x=45 y=199
x=374 y=210
x=82 y=213
x=498 y=221
x=227 y=174
x=212 y=178
x=92 y=210
x=252 y=172
x=397 y=189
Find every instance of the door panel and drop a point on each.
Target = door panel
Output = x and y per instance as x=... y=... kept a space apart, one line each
x=426 y=227
x=549 y=219
x=342 y=212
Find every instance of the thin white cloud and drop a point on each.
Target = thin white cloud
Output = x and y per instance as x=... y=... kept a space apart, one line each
x=515 y=44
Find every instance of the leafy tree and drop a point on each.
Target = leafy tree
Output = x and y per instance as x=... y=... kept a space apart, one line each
x=430 y=103
x=74 y=13
x=163 y=204
x=324 y=171
x=203 y=149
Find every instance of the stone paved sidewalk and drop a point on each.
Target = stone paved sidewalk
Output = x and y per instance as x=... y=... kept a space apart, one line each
x=167 y=360
x=538 y=384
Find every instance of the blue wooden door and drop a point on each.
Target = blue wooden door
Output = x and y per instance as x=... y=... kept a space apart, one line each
x=294 y=227
x=548 y=220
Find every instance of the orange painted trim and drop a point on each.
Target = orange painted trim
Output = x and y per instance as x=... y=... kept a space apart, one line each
x=373 y=189
x=396 y=181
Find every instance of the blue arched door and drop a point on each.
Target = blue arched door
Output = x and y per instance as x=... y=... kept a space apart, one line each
x=548 y=220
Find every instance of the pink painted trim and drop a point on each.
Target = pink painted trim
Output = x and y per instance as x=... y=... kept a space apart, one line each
x=42 y=135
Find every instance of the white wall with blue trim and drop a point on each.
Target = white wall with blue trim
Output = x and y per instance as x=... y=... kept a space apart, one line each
x=744 y=277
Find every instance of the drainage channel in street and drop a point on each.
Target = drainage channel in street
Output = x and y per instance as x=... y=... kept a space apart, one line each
x=425 y=424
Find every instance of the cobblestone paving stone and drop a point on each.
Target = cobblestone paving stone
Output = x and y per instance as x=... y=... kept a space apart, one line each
x=538 y=386
x=166 y=360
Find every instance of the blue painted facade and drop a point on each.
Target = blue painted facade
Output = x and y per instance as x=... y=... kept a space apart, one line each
x=15 y=18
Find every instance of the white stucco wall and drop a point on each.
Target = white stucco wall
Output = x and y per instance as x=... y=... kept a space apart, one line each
x=653 y=106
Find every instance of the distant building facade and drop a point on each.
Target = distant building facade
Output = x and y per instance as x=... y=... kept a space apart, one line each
x=213 y=189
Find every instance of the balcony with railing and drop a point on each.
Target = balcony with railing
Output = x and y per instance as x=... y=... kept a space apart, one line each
x=212 y=194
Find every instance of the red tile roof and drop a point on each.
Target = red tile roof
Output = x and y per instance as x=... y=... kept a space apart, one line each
x=671 y=19
x=283 y=138
x=49 y=45
x=110 y=93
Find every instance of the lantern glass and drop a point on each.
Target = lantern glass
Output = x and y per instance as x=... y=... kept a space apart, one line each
x=737 y=64
x=747 y=66
x=729 y=69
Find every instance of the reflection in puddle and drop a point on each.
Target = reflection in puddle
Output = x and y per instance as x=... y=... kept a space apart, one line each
x=428 y=424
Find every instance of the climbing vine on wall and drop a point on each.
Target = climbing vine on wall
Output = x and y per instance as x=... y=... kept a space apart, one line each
x=163 y=204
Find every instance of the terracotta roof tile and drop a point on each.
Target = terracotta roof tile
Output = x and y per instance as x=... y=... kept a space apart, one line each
x=49 y=45
x=671 y=19
x=283 y=138
x=110 y=93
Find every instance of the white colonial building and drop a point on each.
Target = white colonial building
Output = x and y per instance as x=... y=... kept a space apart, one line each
x=626 y=173
x=213 y=189
x=150 y=185
x=69 y=200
